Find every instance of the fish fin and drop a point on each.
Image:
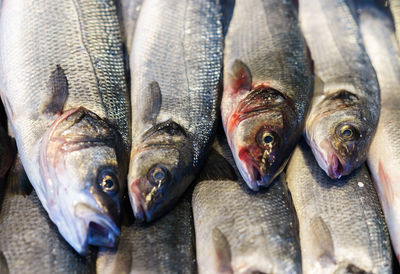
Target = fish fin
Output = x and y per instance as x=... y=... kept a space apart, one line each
x=240 y=78
x=222 y=251
x=153 y=105
x=3 y=264
x=17 y=181
x=217 y=168
x=322 y=241
x=58 y=85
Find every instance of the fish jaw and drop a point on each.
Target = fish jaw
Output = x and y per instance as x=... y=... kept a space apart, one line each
x=73 y=162
x=138 y=206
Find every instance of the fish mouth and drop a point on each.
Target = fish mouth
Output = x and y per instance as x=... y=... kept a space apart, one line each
x=253 y=176
x=335 y=167
x=329 y=161
x=137 y=202
x=102 y=235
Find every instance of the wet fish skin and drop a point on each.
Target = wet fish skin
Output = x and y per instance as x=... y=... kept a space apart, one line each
x=29 y=241
x=67 y=104
x=342 y=228
x=176 y=64
x=237 y=230
x=267 y=87
x=346 y=104
x=383 y=157
x=395 y=9
x=163 y=246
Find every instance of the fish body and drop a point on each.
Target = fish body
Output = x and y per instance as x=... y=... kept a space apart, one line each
x=395 y=9
x=29 y=241
x=267 y=87
x=383 y=157
x=164 y=246
x=239 y=231
x=345 y=109
x=64 y=91
x=176 y=62
x=342 y=228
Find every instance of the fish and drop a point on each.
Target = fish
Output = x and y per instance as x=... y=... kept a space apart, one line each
x=238 y=230
x=346 y=104
x=163 y=246
x=341 y=225
x=63 y=86
x=267 y=87
x=383 y=156
x=176 y=70
x=29 y=241
x=129 y=12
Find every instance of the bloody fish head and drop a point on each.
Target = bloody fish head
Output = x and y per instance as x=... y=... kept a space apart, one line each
x=262 y=132
x=161 y=168
x=340 y=133
x=82 y=165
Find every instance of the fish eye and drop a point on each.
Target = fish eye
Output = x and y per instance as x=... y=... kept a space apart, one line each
x=108 y=182
x=348 y=132
x=267 y=139
x=157 y=175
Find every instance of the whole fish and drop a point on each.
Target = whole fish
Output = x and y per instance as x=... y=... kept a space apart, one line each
x=383 y=156
x=64 y=91
x=176 y=61
x=29 y=241
x=239 y=231
x=164 y=246
x=342 y=228
x=345 y=109
x=267 y=87
x=129 y=12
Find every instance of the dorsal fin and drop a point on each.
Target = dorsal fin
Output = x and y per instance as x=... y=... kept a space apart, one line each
x=323 y=242
x=239 y=79
x=222 y=251
x=58 y=86
x=152 y=104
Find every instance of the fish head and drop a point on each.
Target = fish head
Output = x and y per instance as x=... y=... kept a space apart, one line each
x=340 y=134
x=83 y=165
x=160 y=170
x=262 y=131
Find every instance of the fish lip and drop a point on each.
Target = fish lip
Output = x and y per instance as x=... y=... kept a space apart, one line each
x=137 y=203
x=253 y=177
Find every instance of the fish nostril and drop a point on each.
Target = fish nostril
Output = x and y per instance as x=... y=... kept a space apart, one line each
x=100 y=235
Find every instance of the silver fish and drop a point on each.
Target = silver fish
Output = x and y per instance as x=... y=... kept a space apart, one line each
x=29 y=241
x=383 y=157
x=342 y=228
x=176 y=62
x=395 y=9
x=345 y=109
x=239 y=231
x=64 y=91
x=267 y=87
x=164 y=246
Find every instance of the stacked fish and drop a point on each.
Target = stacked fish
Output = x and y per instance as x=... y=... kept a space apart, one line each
x=116 y=159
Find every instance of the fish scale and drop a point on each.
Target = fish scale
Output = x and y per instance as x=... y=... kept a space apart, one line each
x=63 y=62
x=29 y=241
x=342 y=228
x=380 y=41
x=176 y=65
x=238 y=231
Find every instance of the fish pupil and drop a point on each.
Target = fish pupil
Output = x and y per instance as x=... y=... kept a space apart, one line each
x=108 y=184
x=268 y=139
x=347 y=133
x=159 y=175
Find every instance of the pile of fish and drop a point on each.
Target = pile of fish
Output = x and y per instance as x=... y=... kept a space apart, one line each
x=211 y=136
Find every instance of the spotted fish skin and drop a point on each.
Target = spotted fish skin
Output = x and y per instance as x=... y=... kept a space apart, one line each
x=63 y=85
x=383 y=157
x=346 y=104
x=237 y=230
x=342 y=227
x=176 y=64
x=267 y=87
